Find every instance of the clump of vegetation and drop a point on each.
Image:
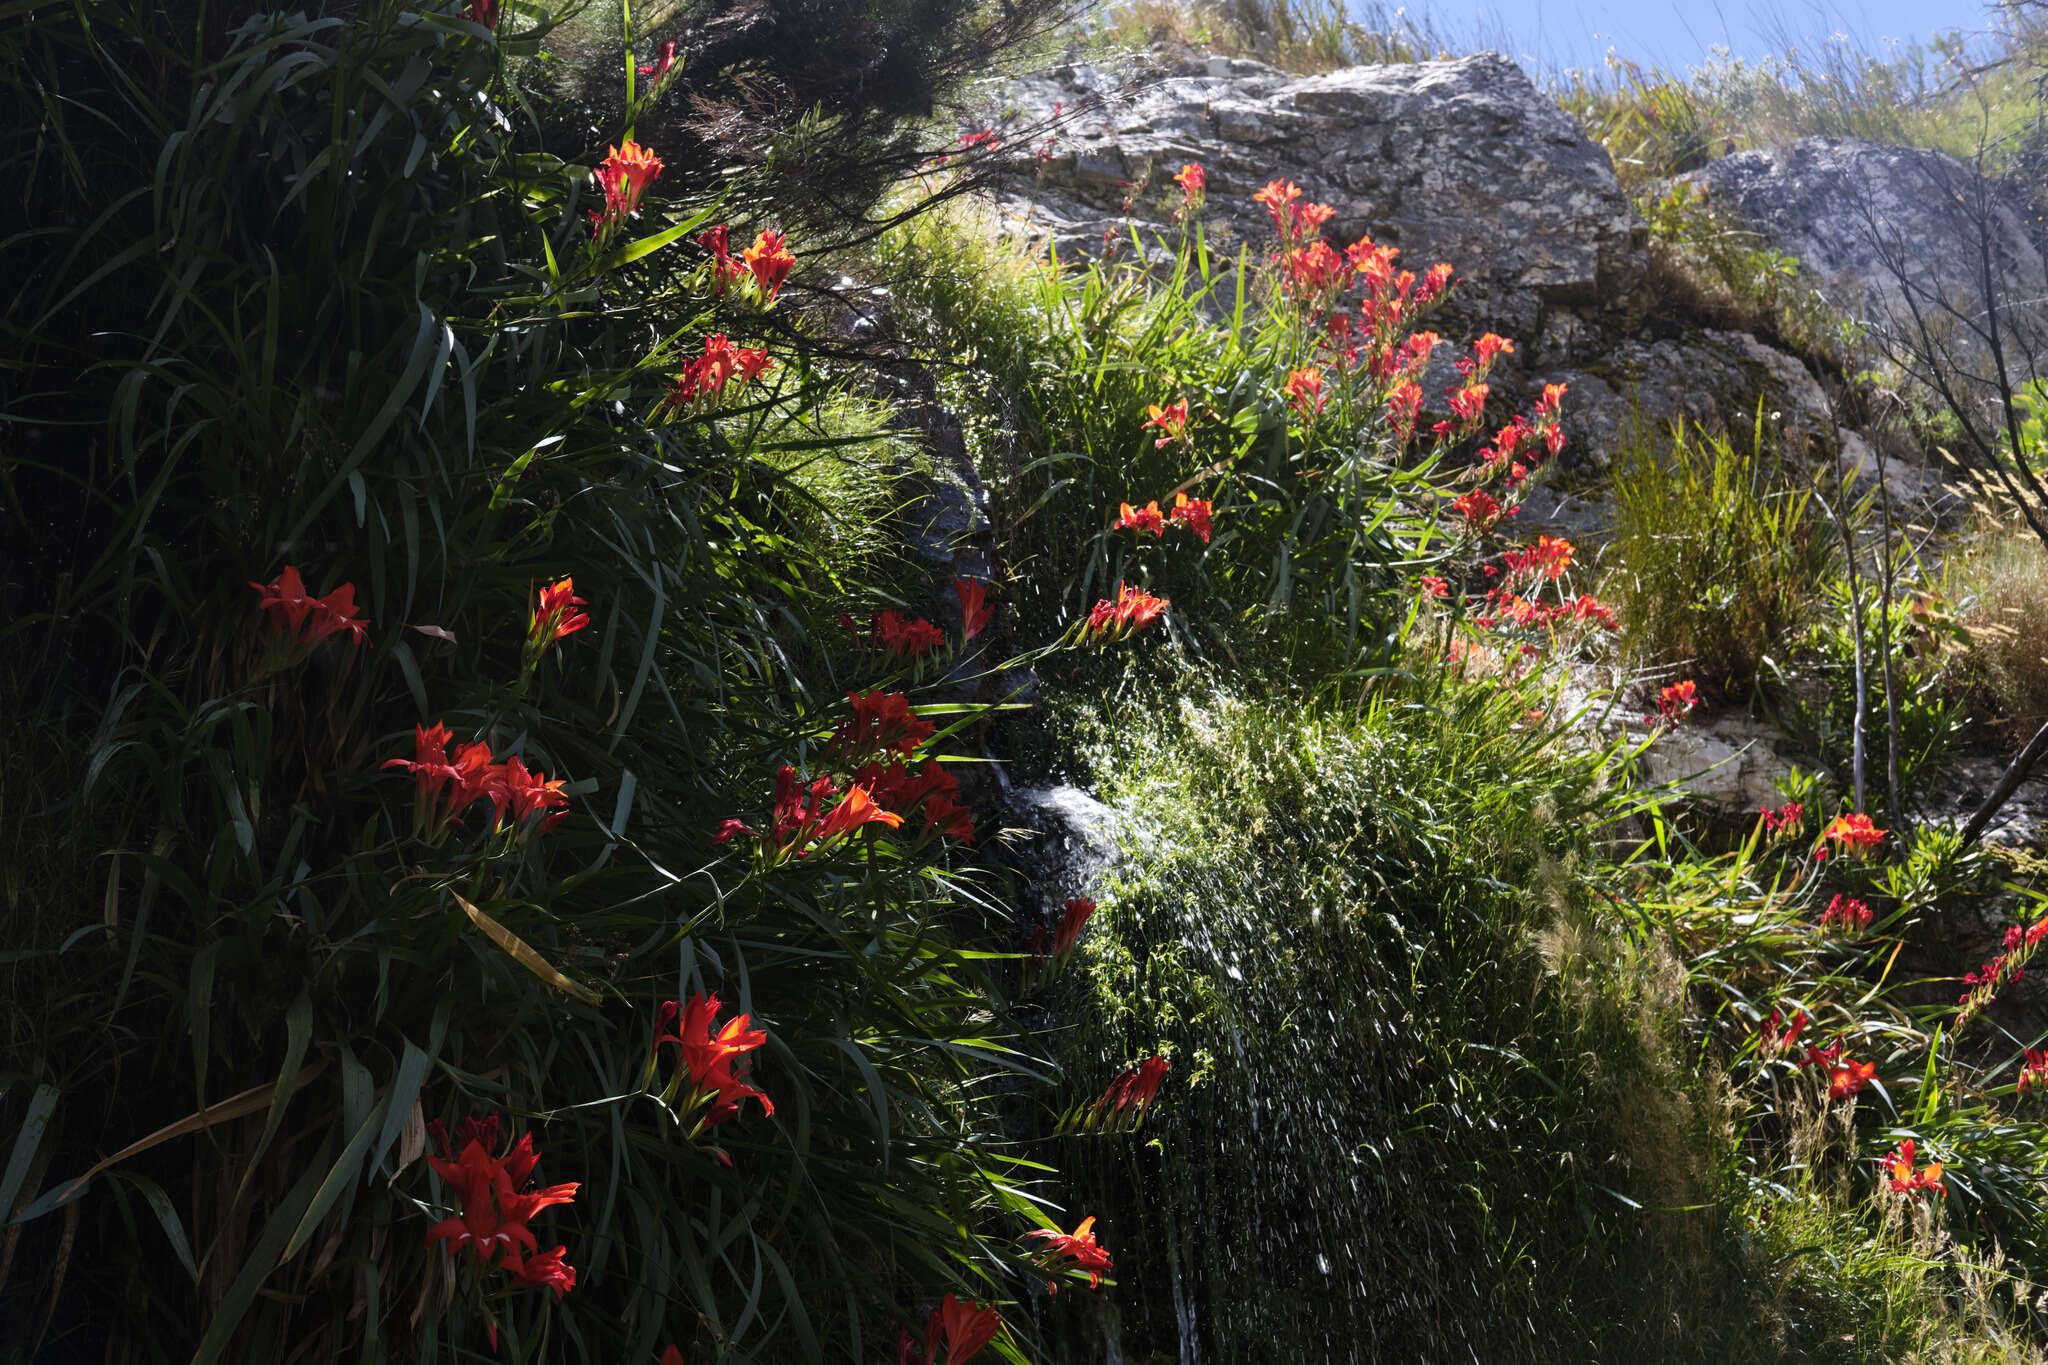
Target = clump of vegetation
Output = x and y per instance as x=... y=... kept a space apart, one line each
x=2000 y=593
x=1719 y=552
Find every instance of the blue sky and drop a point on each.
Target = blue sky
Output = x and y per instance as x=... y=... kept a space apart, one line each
x=1548 y=34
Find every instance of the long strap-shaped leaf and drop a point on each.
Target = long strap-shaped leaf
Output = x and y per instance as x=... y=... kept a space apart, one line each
x=523 y=954
x=256 y=1097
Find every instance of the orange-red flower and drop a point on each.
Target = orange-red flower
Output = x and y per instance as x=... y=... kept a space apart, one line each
x=1132 y=610
x=770 y=261
x=1315 y=271
x=856 y=808
x=724 y=269
x=1192 y=513
x=1278 y=200
x=1586 y=607
x=624 y=175
x=495 y=1212
x=470 y=775
x=712 y=1060
x=1141 y=519
x=1854 y=832
x=1171 y=419
x=311 y=619
x=1479 y=509
x=930 y=789
x=1304 y=389
x=974 y=609
x=483 y=12
x=1675 y=701
x=1404 y=405
x=1490 y=348
x=963 y=1328
x=723 y=363
x=1193 y=184
x=882 y=722
x=1903 y=1179
x=1078 y=1246
x=554 y=617
x=1468 y=404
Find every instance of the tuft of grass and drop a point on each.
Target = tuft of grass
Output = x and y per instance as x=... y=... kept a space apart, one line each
x=1717 y=555
x=1305 y=36
x=2001 y=586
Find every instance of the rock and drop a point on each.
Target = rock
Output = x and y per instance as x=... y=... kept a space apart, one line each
x=1462 y=161
x=1877 y=224
x=1730 y=761
x=1716 y=380
x=2021 y=822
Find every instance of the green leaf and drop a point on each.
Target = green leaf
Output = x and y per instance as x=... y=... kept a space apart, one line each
x=27 y=1138
x=257 y=1265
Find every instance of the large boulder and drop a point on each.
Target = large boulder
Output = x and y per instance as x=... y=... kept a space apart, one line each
x=1888 y=231
x=1462 y=161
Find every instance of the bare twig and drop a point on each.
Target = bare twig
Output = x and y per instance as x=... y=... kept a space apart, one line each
x=2007 y=785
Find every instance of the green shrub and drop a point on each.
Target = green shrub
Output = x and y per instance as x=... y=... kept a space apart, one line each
x=1717 y=554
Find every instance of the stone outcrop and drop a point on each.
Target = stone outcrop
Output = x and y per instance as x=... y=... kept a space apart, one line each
x=1887 y=231
x=1464 y=161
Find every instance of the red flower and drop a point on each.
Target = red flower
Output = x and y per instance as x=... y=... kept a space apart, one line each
x=931 y=789
x=1171 y=419
x=898 y=638
x=1124 y=1104
x=1787 y=817
x=1903 y=1179
x=1586 y=607
x=1079 y=1246
x=1192 y=513
x=1131 y=611
x=1304 y=389
x=1193 y=184
x=882 y=722
x=1771 y=1042
x=554 y=618
x=471 y=774
x=1850 y=1076
x=624 y=175
x=1551 y=402
x=1072 y=919
x=495 y=1213
x=544 y=1271
x=708 y=1059
x=1846 y=913
x=1478 y=508
x=311 y=619
x=724 y=269
x=770 y=261
x=1548 y=558
x=2034 y=1074
x=1404 y=404
x=1146 y=518
x=1675 y=701
x=662 y=67
x=974 y=610
x=964 y=1328
x=1315 y=270
x=1435 y=586
x=1854 y=832
x=731 y=828
x=483 y=12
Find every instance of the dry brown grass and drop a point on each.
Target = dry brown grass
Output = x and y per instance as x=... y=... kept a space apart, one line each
x=2001 y=584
